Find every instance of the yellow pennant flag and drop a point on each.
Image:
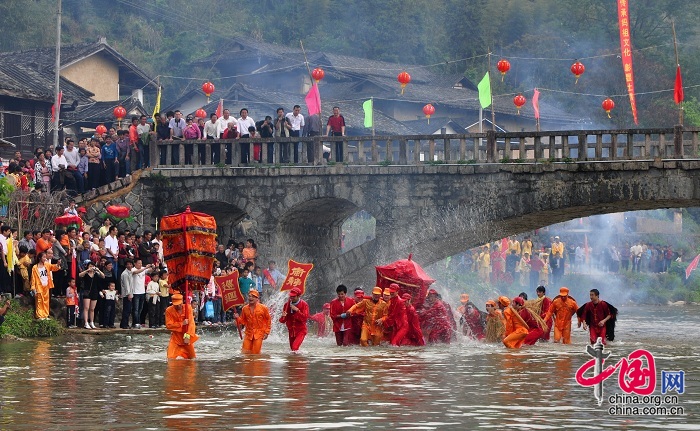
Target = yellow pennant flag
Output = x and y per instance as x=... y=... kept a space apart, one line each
x=156 y=109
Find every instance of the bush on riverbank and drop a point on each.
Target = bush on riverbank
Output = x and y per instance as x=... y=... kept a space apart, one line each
x=20 y=322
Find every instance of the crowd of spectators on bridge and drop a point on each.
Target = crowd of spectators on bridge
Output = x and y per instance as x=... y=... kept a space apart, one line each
x=83 y=164
x=531 y=262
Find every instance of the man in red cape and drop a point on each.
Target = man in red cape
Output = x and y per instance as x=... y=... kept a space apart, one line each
x=595 y=316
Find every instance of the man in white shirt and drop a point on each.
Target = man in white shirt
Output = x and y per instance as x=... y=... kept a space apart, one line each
x=138 y=273
x=296 y=119
x=141 y=128
x=112 y=249
x=61 y=176
x=221 y=125
x=72 y=156
x=243 y=124
x=127 y=282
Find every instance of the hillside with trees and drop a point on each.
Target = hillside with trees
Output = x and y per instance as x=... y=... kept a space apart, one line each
x=541 y=38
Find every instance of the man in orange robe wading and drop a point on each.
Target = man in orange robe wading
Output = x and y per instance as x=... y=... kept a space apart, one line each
x=182 y=329
x=396 y=318
x=295 y=314
x=563 y=308
x=516 y=328
x=257 y=321
x=374 y=309
x=414 y=336
x=357 y=318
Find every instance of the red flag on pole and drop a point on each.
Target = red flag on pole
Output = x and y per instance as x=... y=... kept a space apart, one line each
x=54 y=111
x=692 y=266
x=313 y=100
x=678 y=95
x=220 y=109
x=296 y=277
x=536 y=103
x=230 y=290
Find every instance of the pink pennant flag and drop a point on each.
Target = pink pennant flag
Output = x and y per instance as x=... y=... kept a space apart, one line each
x=536 y=103
x=54 y=110
x=220 y=109
x=313 y=100
x=692 y=266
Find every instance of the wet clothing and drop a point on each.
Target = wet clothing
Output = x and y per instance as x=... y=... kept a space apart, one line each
x=495 y=327
x=257 y=324
x=534 y=332
x=593 y=314
x=435 y=323
x=396 y=320
x=342 y=326
x=562 y=312
x=473 y=324
x=546 y=305
x=414 y=335
x=516 y=329
x=296 y=322
x=173 y=321
x=323 y=323
x=373 y=311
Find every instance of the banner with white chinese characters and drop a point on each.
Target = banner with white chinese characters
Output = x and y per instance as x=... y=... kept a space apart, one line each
x=230 y=290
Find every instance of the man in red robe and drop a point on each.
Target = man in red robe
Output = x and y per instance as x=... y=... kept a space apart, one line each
x=395 y=319
x=414 y=335
x=294 y=315
x=323 y=321
x=546 y=304
x=594 y=316
x=342 y=320
x=434 y=319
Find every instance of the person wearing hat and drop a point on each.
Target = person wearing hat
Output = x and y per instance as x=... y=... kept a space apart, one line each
x=516 y=328
x=358 y=318
x=342 y=321
x=396 y=320
x=179 y=319
x=374 y=308
x=563 y=308
x=414 y=335
x=434 y=319
x=257 y=321
x=295 y=314
x=473 y=324
x=557 y=247
x=495 y=326
x=323 y=321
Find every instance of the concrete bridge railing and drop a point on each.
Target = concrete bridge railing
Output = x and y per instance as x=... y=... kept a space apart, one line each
x=488 y=147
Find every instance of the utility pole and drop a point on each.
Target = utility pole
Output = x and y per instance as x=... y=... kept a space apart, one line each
x=57 y=102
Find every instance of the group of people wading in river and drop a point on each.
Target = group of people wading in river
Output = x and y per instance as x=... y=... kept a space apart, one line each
x=388 y=317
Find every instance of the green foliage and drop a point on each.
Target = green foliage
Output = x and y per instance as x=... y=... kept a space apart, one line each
x=20 y=322
x=385 y=163
x=6 y=190
x=220 y=165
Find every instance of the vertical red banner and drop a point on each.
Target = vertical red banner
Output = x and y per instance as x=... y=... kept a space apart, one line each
x=626 y=52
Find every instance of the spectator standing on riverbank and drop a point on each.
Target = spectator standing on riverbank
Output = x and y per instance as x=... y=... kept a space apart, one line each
x=41 y=284
x=71 y=303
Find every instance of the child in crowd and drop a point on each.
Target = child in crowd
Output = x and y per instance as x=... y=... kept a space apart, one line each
x=110 y=298
x=152 y=298
x=71 y=303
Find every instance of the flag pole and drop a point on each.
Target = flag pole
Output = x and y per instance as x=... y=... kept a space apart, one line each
x=678 y=64
x=57 y=80
x=493 y=112
x=372 y=106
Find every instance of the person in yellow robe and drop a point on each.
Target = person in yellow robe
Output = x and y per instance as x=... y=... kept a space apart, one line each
x=494 y=323
x=257 y=321
x=516 y=328
x=563 y=308
x=41 y=284
x=179 y=320
x=374 y=309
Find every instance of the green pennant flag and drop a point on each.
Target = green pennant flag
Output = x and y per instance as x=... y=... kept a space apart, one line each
x=485 y=91
x=367 y=107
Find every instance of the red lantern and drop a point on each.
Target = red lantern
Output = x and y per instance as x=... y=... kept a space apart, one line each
x=101 y=129
x=519 y=101
x=428 y=110
x=608 y=105
x=200 y=113
x=119 y=113
x=119 y=211
x=208 y=89
x=503 y=66
x=318 y=74
x=404 y=78
x=577 y=69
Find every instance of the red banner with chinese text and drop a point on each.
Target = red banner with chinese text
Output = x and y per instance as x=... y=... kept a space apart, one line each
x=230 y=290
x=626 y=52
x=296 y=277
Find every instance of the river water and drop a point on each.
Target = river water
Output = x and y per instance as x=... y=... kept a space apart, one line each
x=84 y=382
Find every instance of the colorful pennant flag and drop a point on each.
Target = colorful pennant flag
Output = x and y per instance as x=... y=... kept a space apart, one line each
x=368 y=108
x=296 y=277
x=536 y=103
x=220 y=109
x=678 y=94
x=485 y=91
x=230 y=290
x=626 y=52
x=55 y=111
x=313 y=100
x=156 y=108
x=692 y=266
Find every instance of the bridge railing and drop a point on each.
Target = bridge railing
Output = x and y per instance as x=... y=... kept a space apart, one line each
x=488 y=147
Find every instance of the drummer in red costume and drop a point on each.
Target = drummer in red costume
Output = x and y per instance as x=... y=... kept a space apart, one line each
x=594 y=316
x=395 y=319
x=342 y=321
x=414 y=335
x=295 y=314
